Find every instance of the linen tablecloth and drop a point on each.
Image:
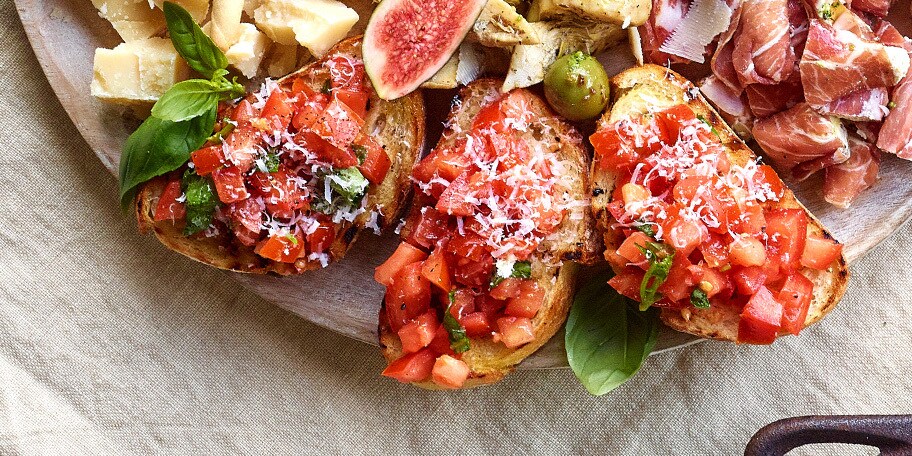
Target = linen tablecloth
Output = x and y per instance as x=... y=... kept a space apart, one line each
x=110 y=344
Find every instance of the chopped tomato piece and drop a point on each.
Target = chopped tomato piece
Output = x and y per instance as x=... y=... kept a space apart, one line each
x=243 y=112
x=454 y=200
x=747 y=251
x=761 y=319
x=229 y=183
x=748 y=280
x=278 y=109
x=322 y=238
x=711 y=281
x=357 y=101
x=246 y=220
x=345 y=73
x=280 y=192
x=679 y=284
x=436 y=271
x=463 y=303
x=628 y=281
x=469 y=260
x=338 y=158
x=414 y=367
x=207 y=159
x=476 y=324
x=240 y=149
x=669 y=122
x=404 y=255
x=376 y=163
x=612 y=151
x=683 y=234
x=408 y=296
x=338 y=125
x=749 y=220
x=282 y=248
x=820 y=253
x=526 y=304
x=506 y=289
x=767 y=179
x=310 y=108
x=490 y=306
x=787 y=231
x=419 y=332
x=514 y=332
x=169 y=208
x=715 y=251
x=796 y=298
x=441 y=342
x=449 y=372
x=427 y=227
x=490 y=117
x=631 y=248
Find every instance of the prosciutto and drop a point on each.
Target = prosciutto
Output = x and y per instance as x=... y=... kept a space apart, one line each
x=730 y=104
x=896 y=133
x=762 y=52
x=837 y=63
x=722 y=66
x=868 y=105
x=799 y=135
x=665 y=18
x=875 y=7
x=766 y=100
x=842 y=183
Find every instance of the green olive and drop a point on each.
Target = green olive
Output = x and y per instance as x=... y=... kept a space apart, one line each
x=576 y=86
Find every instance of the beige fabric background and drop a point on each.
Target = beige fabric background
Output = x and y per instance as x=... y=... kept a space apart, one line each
x=109 y=344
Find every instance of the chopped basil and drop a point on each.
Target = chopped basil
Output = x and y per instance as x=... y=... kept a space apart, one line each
x=699 y=299
x=201 y=202
x=660 y=259
x=459 y=341
x=292 y=238
x=272 y=161
x=711 y=127
x=360 y=152
x=350 y=184
x=521 y=270
x=220 y=135
x=327 y=87
x=646 y=228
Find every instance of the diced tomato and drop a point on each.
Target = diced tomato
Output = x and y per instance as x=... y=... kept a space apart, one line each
x=463 y=303
x=749 y=220
x=322 y=238
x=246 y=219
x=820 y=253
x=715 y=250
x=419 y=332
x=447 y=163
x=345 y=73
x=427 y=227
x=787 y=231
x=795 y=297
x=470 y=262
x=761 y=319
x=441 y=342
x=449 y=372
x=243 y=112
x=376 y=162
x=357 y=101
x=278 y=109
x=404 y=255
x=476 y=324
x=281 y=247
x=454 y=200
x=490 y=117
x=514 y=332
x=280 y=192
x=612 y=151
x=169 y=208
x=490 y=306
x=526 y=304
x=747 y=251
x=506 y=289
x=679 y=284
x=229 y=183
x=408 y=296
x=338 y=125
x=683 y=234
x=669 y=122
x=239 y=148
x=767 y=179
x=310 y=108
x=414 y=367
x=338 y=158
x=630 y=249
x=748 y=280
x=207 y=159
x=436 y=271
x=627 y=282
x=711 y=281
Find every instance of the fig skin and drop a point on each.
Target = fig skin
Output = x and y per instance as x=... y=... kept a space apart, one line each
x=577 y=86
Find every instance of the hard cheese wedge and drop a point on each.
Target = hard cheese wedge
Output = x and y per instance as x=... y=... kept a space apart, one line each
x=132 y=19
x=138 y=72
x=315 y=24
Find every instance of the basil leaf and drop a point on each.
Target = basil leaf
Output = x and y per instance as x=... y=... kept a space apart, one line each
x=660 y=261
x=349 y=183
x=607 y=339
x=699 y=299
x=186 y=100
x=158 y=147
x=459 y=341
x=521 y=270
x=220 y=135
x=272 y=162
x=191 y=43
x=646 y=228
x=201 y=202
x=360 y=152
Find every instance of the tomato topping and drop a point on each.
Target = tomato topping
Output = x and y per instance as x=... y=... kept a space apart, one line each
x=679 y=284
x=322 y=238
x=787 y=231
x=627 y=282
x=747 y=251
x=506 y=289
x=454 y=200
x=414 y=367
x=246 y=219
x=283 y=248
x=748 y=280
x=408 y=295
x=280 y=193
x=419 y=332
x=437 y=272
x=356 y=101
x=632 y=248
x=310 y=108
x=278 y=110
x=820 y=253
x=229 y=183
x=449 y=372
x=761 y=319
x=514 y=332
x=427 y=228
x=670 y=122
x=345 y=73
x=239 y=148
x=376 y=163
x=243 y=112
x=527 y=302
x=326 y=152
x=795 y=297
x=169 y=208
x=339 y=125
x=404 y=255
x=476 y=324
x=207 y=159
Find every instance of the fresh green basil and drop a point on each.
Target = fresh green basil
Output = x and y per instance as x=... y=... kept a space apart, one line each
x=272 y=162
x=360 y=152
x=459 y=341
x=191 y=43
x=220 y=135
x=607 y=339
x=186 y=100
x=660 y=260
x=521 y=270
x=699 y=299
x=646 y=228
x=201 y=202
x=350 y=184
x=158 y=147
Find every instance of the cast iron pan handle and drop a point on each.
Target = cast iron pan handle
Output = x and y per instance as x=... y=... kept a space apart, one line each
x=892 y=434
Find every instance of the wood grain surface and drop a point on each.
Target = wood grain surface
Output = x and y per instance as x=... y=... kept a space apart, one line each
x=344 y=297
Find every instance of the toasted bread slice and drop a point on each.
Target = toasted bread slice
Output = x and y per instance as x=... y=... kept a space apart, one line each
x=650 y=88
x=397 y=125
x=575 y=240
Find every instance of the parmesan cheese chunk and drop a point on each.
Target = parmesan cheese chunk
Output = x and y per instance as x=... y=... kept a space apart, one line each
x=226 y=22
x=316 y=24
x=138 y=72
x=198 y=9
x=283 y=60
x=247 y=54
x=132 y=19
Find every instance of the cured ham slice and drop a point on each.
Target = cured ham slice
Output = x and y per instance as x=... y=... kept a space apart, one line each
x=705 y=20
x=766 y=100
x=665 y=18
x=842 y=183
x=721 y=64
x=762 y=52
x=896 y=134
x=730 y=104
x=837 y=63
x=800 y=134
x=875 y=7
x=868 y=105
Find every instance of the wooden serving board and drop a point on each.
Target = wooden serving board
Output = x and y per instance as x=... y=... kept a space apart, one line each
x=343 y=297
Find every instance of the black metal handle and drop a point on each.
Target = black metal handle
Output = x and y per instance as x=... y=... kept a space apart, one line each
x=892 y=434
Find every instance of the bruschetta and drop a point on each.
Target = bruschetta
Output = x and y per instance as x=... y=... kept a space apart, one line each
x=293 y=172
x=485 y=272
x=695 y=224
